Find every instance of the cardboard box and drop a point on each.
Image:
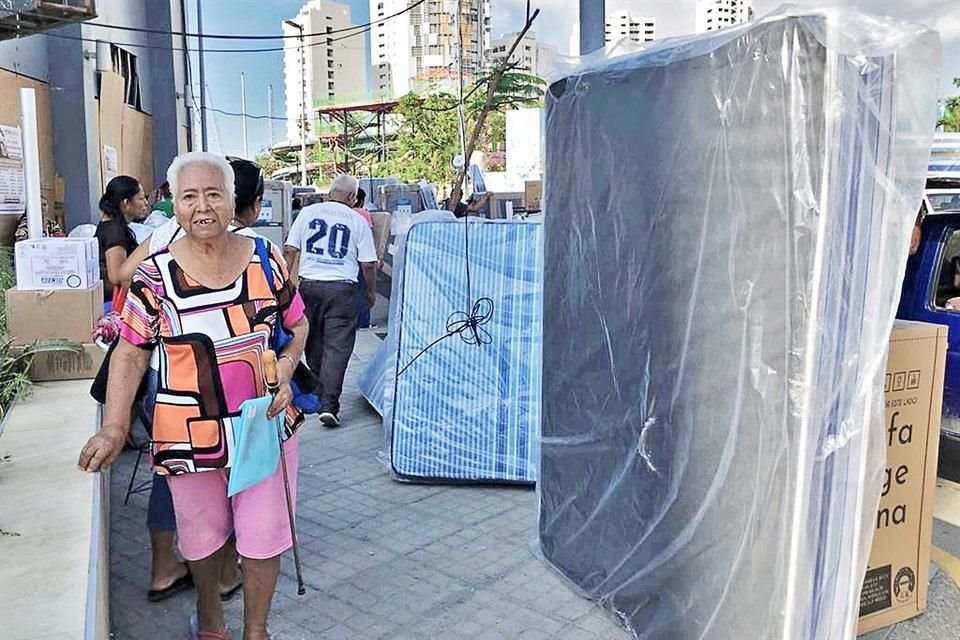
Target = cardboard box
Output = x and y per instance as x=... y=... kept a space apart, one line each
x=57 y=263
x=895 y=587
x=498 y=204
x=532 y=192
x=41 y=315
x=381 y=231
x=64 y=365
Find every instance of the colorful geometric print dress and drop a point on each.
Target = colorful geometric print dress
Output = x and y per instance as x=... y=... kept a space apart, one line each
x=209 y=342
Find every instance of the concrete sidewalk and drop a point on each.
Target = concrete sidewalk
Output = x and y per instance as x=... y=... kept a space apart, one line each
x=384 y=559
x=381 y=559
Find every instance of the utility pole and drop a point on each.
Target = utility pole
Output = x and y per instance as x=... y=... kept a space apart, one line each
x=243 y=113
x=593 y=20
x=203 y=80
x=461 y=116
x=270 y=112
x=303 y=104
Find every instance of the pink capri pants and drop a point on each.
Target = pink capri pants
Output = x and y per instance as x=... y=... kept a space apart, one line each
x=206 y=517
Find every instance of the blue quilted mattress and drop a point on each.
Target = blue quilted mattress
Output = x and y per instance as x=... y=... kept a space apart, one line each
x=460 y=406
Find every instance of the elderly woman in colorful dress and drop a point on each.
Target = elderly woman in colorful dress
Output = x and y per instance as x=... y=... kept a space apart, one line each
x=204 y=303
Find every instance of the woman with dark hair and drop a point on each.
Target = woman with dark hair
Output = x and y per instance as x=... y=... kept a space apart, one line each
x=363 y=309
x=248 y=191
x=122 y=202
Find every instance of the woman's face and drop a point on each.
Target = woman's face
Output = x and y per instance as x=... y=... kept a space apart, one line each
x=201 y=202
x=134 y=208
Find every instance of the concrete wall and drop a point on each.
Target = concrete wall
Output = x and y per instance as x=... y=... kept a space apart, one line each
x=74 y=115
x=25 y=56
x=69 y=59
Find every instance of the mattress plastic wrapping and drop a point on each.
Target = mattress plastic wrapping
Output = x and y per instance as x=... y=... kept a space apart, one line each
x=453 y=409
x=728 y=220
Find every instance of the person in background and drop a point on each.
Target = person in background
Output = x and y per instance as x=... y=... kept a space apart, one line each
x=164 y=203
x=295 y=207
x=917 y=233
x=363 y=310
x=123 y=201
x=473 y=206
x=248 y=188
x=333 y=244
x=188 y=303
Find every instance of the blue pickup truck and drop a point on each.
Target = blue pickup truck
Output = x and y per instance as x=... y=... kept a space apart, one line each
x=931 y=293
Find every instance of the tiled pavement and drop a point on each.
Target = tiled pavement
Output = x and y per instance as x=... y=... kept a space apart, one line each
x=381 y=559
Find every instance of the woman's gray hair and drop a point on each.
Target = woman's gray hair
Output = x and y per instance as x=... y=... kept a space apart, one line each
x=192 y=158
x=344 y=189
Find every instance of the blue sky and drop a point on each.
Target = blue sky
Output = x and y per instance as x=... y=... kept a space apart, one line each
x=261 y=69
x=674 y=17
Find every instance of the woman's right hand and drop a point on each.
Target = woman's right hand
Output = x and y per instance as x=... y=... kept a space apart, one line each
x=102 y=449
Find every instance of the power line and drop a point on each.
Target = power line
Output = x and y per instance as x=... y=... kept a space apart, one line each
x=221 y=36
x=241 y=115
x=325 y=42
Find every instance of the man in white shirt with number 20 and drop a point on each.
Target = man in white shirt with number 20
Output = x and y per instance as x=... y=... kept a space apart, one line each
x=333 y=242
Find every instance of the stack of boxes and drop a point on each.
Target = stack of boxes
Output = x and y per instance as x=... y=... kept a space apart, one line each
x=58 y=295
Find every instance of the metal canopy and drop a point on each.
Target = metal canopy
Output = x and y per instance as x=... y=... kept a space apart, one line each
x=25 y=17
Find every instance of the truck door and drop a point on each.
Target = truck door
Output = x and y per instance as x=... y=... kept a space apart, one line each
x=932 y=294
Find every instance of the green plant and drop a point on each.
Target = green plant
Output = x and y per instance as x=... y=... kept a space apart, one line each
x=15 y=361
x=15 y=364
x=8 y=279
x=950 y=121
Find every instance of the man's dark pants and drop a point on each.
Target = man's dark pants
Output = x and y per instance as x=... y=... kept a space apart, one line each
x=332 y=314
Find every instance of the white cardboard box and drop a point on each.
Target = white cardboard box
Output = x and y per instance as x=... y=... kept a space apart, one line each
x=57 y=263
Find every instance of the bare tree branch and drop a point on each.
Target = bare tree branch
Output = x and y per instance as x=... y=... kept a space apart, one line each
x=493 y=83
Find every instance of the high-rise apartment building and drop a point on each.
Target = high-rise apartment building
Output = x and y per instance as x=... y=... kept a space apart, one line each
x=717 y=14
x=418 y=48
x=533 y=57
x=334 y=67
x=623 y=24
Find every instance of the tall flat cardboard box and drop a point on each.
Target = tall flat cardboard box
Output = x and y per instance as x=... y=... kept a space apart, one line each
x=63 y=313
x=895 y=587
x=532 y=192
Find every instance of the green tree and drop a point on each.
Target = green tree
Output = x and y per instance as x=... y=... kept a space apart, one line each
x=951 y=112
x=428 y=136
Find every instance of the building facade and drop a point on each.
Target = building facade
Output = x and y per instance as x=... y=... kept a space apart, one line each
x=717 y=14
x=334 y=66
x=624 y=25
x=536 y=58
x=416 y=50
x=109 y=101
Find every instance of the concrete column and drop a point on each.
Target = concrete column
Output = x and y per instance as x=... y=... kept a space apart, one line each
x=73 y=111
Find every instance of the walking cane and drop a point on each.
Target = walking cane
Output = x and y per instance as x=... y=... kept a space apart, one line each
x=269 y=360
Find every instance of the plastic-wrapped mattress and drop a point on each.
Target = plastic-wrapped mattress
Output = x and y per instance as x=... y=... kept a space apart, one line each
x=455 y=410
x=728 y=221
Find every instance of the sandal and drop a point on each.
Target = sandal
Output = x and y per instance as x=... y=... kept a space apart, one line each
x=196 y=634
x=182 y=583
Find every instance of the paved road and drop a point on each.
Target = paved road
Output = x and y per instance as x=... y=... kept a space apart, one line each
x=389 y=560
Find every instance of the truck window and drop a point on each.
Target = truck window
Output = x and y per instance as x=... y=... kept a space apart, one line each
x=948 y=281
x=942 y=202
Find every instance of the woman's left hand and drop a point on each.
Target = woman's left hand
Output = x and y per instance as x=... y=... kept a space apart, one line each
x=281 y=400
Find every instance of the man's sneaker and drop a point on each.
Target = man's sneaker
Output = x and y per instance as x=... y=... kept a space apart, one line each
x=329 y=419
